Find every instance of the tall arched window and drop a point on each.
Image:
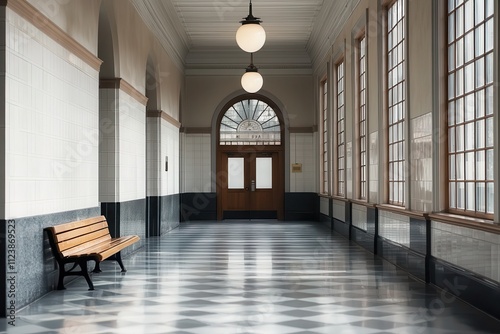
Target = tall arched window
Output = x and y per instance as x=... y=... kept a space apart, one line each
x=250 y=122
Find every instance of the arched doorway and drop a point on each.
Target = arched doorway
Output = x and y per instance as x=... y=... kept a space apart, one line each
x=250 y=159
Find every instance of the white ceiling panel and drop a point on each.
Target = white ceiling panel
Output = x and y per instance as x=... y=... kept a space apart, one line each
x=198 y=30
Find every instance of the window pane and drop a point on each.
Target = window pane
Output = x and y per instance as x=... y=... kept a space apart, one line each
x=489 y=68
x=452 y=167
x=469 y=46
x=264 y=173
x=479 y=11
x=451 y=113
x=489 y=164
x=459 y=105
x=489 y=132
x=479 y=33
x=459 y=21
x=452 y=140
x=460 y=138
x=480 y=197
x=236 y=173
x=460 y=166
x=480 y=135
x=469 y=136
x=490 y=197
x=459 y=83
x=453 y=198
x=470 y=163
x=488 y=34
x=469 y=107
x=451 y=87
x=471 y=201
x=460 y=195
x=480 y=103
x=480 y=166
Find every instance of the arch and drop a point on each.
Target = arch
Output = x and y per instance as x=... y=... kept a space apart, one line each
x=107 y=43
x=152 y=85
x=281 y=112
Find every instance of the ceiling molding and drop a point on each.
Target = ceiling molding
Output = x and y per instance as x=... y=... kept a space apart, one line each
x=160 y=17
x=328 y=27
x=200 y=34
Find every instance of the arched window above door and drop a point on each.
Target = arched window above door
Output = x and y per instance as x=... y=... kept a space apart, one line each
x=250 y=122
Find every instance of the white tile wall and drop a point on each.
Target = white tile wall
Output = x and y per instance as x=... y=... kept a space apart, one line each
x=196 y=174
x=338 y=210
x=170 y=147
x=163 y=142
x=131 y=148
x=348 y=170
x=394 y=227
x=108 y=145
x=373 y=154
x=474 y=250
x=51 y=115
x=359 y=216
x=154 y=167
x=324 y=206
x=421 y=163
x=303 y=151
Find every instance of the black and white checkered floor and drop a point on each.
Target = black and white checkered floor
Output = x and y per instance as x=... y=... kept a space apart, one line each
x=251 y=277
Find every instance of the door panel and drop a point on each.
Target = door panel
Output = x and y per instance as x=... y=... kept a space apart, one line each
x=253 y=188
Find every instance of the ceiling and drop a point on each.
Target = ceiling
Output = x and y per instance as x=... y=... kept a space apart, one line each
x=200 y=34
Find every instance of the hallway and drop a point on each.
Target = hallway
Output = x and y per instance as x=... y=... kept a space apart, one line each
x=251 y=277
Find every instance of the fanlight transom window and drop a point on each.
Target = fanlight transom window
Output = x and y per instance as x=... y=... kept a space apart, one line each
x=250 y=122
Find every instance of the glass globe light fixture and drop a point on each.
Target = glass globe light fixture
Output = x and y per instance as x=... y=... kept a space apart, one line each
x=250 y=36
x=252 y=81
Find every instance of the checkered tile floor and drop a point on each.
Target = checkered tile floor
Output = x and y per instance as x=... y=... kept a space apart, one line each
x=251 y=277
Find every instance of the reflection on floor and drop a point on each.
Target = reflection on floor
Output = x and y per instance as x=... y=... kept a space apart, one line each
x=251 y=277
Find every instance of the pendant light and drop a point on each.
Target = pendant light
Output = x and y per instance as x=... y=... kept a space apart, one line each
x=252 y=81
x=250 y=36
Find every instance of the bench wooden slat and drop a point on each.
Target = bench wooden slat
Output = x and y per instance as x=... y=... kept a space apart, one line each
x=81 y=231
x=76 y=224
x=107 y=248
x=114 y=249
x=82 y=239
x=80 y=249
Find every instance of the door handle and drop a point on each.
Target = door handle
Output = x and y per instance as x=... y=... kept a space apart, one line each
x=252 y=185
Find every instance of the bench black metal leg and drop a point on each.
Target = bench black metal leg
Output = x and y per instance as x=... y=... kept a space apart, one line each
x=97 y=268
x=118 y=257
x=85 y=273
x=62 y=273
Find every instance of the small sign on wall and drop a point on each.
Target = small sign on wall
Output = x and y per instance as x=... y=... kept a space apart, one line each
x=296 y=168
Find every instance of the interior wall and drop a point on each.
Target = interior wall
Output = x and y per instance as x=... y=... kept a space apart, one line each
x=51 y=126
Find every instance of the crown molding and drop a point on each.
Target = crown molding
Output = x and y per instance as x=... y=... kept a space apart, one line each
x=161 y=18
x=328 y=27
x=123 y=85
x=49 y=28
x=163 y=115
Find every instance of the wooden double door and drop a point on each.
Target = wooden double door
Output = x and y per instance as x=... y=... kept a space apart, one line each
x=251 y=185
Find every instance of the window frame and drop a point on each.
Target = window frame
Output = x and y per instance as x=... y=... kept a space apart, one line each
x=455 y=124
x=399 y=126
x=340 y=189
x=325 y=137
x=361 y=128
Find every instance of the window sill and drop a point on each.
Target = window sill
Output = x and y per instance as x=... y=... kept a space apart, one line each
x=340 y=199
x=402 y=211
x=363 y=203
x=464 y=221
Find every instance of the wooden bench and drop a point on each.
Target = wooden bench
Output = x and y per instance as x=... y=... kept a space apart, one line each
x=84 y=240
